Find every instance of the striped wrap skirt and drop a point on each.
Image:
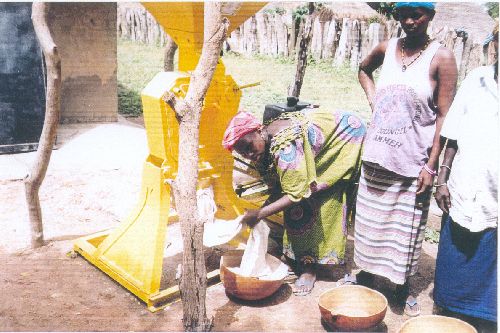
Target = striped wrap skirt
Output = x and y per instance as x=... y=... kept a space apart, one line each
x=389 y=224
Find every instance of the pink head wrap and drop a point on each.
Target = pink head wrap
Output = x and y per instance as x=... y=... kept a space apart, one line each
x=241 y=124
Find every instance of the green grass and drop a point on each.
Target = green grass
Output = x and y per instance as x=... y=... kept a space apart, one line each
x=137 y=65
x=330 y=87
x=431 y=235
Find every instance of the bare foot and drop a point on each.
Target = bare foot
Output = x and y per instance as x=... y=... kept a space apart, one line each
x=305 y=282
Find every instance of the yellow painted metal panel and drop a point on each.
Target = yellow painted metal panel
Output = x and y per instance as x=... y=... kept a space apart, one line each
x=137 y=245
x=184 y=22
x=132 y=254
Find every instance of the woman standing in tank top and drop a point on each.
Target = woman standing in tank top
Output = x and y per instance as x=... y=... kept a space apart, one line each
x=409 y=102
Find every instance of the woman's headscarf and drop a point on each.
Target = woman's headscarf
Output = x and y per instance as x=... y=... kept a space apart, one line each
x=426 y=5
x=241 y=124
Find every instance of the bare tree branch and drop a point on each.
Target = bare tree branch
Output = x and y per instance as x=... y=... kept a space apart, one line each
x=168 y=60
x=52 y=110
x=305 y=42
x=193 y=282
x=177 y=104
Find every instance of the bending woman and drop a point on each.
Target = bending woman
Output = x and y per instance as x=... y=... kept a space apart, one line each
x=315 y=156
x=409 y=103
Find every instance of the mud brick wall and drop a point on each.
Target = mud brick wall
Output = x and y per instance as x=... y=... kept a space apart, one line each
x=86 y=37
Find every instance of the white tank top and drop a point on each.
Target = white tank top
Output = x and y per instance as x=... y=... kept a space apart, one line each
x=403 y=123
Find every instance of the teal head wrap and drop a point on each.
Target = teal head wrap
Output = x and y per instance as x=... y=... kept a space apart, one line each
x=426 y=5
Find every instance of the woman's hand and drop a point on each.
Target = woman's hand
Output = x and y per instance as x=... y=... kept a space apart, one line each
x=442 y=196
x=251 y=217
x=424 y=182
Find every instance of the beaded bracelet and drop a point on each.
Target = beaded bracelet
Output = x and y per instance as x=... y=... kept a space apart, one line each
x=429 y=170
x=439 y=185
x=445 y=166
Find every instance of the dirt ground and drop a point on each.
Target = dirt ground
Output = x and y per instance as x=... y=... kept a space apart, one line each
x=46 y=290
x=92 y=182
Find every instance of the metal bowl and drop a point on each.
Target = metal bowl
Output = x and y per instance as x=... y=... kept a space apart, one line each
x=249 y=288
x=436 y=324
x=352 y=308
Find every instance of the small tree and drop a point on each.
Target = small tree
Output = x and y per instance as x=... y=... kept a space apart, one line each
x=305 y=42
x=193 y=282
x=168 y=60
x=52 y=110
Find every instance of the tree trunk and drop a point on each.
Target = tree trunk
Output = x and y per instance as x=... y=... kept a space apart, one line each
x=489 y=54
x=52 y=109
x=253 y=45
x=262 y=37
x=281 y=35
x=273 y=34
x=305 y=42
x=475 y=56
x=458 y=50
x=121 y=23
x=464 y=61
x=241 y=39
x=143 y=27
x=330 y=39
x=374 y=36
x=355 y=38
x=271 y=38
x=343 y=50
x=129 y=17
x=324 y=33
x=168 y=61
x=232 y=42
x=300 y=32
x=193 y=283
x=316 y=39
x=365 y=40
x=291 y=38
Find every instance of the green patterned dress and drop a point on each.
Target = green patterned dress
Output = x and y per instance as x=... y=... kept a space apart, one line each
x=317 y=161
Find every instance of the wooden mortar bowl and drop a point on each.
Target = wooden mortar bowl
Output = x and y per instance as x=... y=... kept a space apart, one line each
x=436 y=324
x=352 y=307
x=244 y=287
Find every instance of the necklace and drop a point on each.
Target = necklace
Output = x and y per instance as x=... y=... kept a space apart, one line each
x=405 y=66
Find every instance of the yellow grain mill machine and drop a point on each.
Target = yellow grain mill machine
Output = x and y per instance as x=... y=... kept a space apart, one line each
x=132 y=254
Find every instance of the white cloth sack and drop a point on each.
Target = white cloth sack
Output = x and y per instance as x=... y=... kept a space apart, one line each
x=216 y=232
x=221 y=231
x=253 y=262
x=206 y=203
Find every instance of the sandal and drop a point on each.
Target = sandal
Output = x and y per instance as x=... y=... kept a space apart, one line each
x=348 y=279
x=304 y=285
x=412 y=308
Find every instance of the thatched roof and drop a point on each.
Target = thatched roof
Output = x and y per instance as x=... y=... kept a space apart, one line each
x=353 y=9
x=469 y=16
x=289 y=6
